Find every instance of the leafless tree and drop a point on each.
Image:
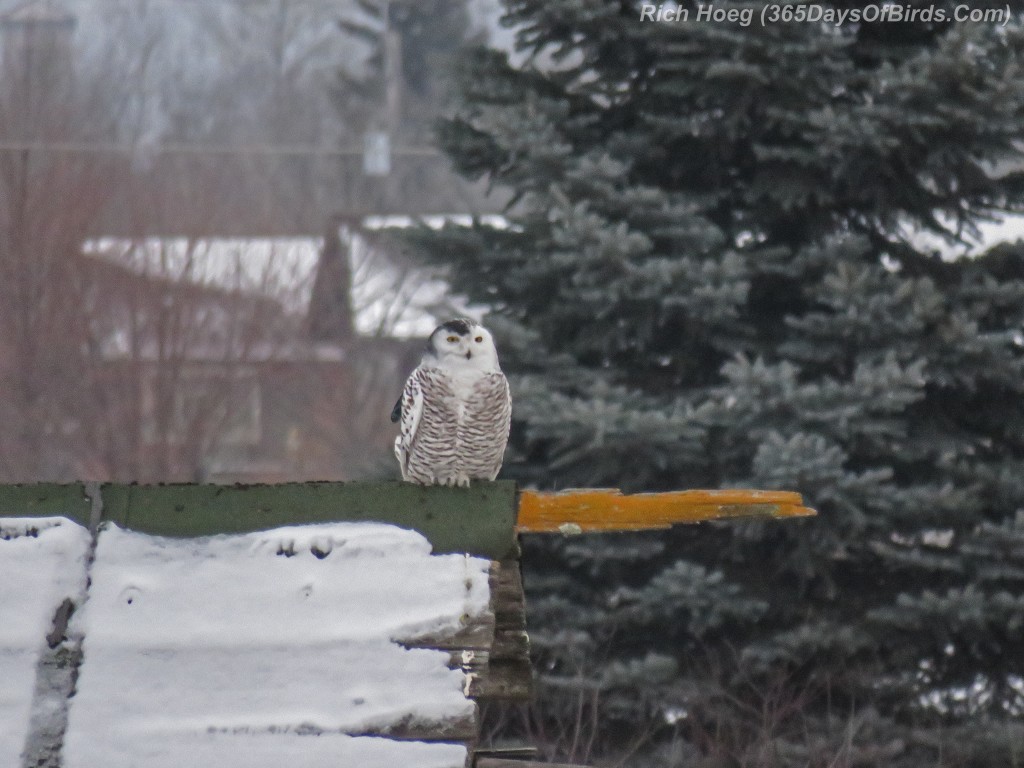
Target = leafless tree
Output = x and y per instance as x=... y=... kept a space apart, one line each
x=131 y=332
x=47 y=200
x=134 y=358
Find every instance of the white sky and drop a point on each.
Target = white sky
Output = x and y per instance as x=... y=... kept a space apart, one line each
x=1008 y=229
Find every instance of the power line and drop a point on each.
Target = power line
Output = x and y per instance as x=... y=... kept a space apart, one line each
x=185 y=148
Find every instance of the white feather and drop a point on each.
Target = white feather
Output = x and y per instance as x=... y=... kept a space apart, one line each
x=412 y=410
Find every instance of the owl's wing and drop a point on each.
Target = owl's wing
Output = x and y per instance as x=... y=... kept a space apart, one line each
x=410 y=408
x=502 y=421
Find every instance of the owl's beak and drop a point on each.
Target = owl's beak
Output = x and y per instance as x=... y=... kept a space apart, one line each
x=469 y=354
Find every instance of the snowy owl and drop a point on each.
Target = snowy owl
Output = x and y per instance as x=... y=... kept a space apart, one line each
x=455 y=409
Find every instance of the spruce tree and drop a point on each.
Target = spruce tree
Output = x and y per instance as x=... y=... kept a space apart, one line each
x=715 y=277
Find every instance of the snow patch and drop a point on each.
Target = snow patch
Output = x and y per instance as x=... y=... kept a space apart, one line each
x=271 y=750
x=242 y=650
x=42 y=562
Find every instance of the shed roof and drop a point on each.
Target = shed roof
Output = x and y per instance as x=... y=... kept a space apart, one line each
x=253 y=649
x=349 y=643
x=42 y=562
x=250 y=640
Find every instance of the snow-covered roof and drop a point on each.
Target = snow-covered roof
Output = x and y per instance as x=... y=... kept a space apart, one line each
x=387 y=298
x=42 y=562
x=290 y=646
x=278 y=268
x=435 y=221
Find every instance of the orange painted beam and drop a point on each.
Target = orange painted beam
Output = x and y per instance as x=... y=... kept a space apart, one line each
x=578 y=511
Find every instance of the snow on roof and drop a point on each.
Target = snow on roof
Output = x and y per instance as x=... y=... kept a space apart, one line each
x=282 y=647
x=43 y=562
x=387 y=298
x=277 y=635
x=279 y=268
x=435 y=221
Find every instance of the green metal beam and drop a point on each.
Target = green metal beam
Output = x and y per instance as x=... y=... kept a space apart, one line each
x=479 y=520
x=45 y=500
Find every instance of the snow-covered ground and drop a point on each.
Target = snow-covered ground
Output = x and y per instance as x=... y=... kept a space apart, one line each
x=42 y=562
x=264 y=649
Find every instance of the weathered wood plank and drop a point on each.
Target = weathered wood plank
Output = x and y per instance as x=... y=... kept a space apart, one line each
x=510 y=617
x=579 y=511
x=509 y=585
x=487 y=678
x=412 y=729
x=469 y=661
x=517 y=753
x=511 y=644
x=494 y=577
x=498 y=762
x=476 y=635
x=507 y=598
x=508 y=673
x=510 y=680
x=510 y=575
x=479 y=519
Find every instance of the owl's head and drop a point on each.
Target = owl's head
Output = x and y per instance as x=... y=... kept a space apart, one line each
x=464 y=344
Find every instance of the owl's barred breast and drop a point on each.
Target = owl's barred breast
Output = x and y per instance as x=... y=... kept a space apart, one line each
x=463 y=428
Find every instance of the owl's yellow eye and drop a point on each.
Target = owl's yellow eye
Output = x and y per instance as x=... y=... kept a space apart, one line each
x=453 y=339
x=478 y=339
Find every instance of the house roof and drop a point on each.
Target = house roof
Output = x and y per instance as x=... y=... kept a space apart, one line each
x=386 y=297
x=238 y=648
x=43 y=562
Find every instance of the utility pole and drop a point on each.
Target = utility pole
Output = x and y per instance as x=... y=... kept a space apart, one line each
x=392 y=73
x=378 y=143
